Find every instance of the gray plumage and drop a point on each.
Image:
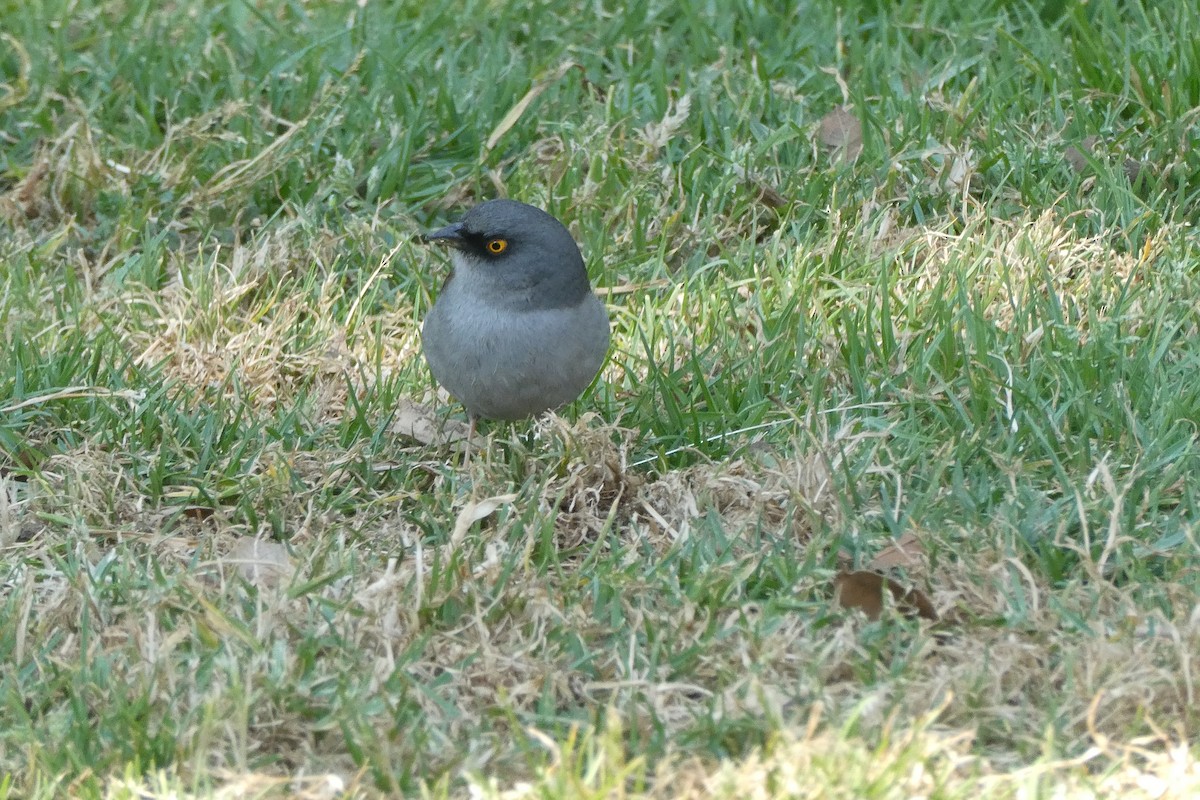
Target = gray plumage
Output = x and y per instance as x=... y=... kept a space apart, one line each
x=516 y=332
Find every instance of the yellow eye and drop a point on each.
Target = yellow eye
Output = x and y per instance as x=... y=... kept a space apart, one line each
x=497 y=246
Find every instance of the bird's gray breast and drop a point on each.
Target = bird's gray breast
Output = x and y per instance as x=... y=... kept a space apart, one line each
x=507 y=364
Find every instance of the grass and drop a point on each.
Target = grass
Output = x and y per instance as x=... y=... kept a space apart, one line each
x=962 y=332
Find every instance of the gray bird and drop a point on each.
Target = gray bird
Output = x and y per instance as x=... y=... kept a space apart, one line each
x=516 y=329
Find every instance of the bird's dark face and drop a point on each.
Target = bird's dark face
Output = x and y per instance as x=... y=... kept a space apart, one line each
x=508 y=248
x=482 y=244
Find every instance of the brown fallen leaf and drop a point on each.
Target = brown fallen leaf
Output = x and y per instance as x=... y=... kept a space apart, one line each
x=474 y=511
x=198 y=512
x=905 y=552
x=1134 y=169
x=26 y=457
x=767 y=194
x=863 y=590
x=841 y=134
x=1077 y=157
x=764 y=192
x=29 y=188
x=263 y=563
x=422 y=423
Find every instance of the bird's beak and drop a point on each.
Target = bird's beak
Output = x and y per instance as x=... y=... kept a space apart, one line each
x=451 y=235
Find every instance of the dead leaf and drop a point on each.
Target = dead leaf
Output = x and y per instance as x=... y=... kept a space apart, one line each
x=768 y=195
x=263 y=563
x=474 y=511
x=198 y=512
x=1133 y=169
x=841 y=133
x=1077 y=157
x=29 y=188
x=957 y=172
x=26 y=457
x=764 y=192
x=422 y=423
x=863 y=590
x=514 y=114
x=904 y=553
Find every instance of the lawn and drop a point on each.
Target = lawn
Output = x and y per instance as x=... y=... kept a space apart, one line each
x=888 y=488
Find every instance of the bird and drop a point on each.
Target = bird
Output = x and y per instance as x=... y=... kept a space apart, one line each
x=516 y=329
